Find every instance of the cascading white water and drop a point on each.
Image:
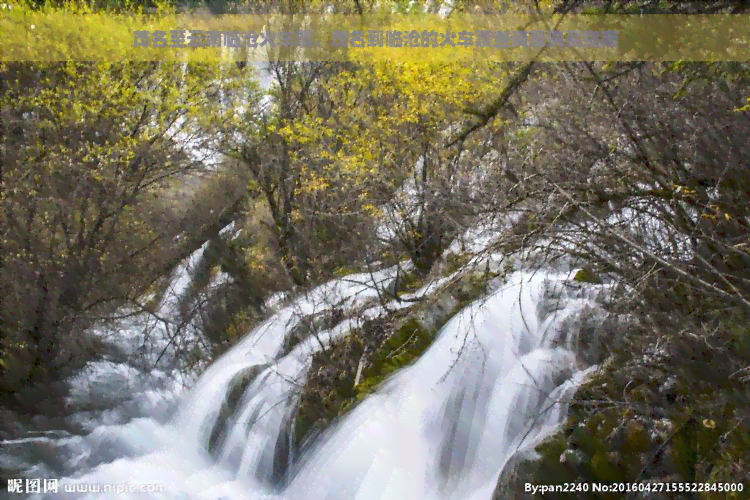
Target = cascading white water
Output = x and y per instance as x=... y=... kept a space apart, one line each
x=443 y=428
x=491 y=384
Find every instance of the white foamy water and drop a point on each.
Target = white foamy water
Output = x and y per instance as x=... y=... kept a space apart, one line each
x=494 y=382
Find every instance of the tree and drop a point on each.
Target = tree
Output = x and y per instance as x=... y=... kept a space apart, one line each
x=85 y=148
x=376 y=131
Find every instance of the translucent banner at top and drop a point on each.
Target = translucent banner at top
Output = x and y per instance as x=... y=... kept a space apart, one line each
x=60 y=36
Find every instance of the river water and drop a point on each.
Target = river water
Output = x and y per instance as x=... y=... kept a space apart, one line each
x=493 y=384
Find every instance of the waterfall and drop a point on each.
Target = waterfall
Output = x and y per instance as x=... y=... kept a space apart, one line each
x=444 y=427
x=493 y=384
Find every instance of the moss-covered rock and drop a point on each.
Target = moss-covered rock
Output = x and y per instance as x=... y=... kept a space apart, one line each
x=238 y=386
x=403 y=346
x=632 y=433
x=410 y=282
x=375 y=351
x=406 y=282
x=381 y=347
x=455 y=261
x=346 y=270
x=587 y=275
x=435 y=311
x=471 y=286
x=330 y=382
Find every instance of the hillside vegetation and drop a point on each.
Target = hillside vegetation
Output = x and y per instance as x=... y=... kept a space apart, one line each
x=636 y=171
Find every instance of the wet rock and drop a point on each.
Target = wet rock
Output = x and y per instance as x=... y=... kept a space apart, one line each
x=519 y=471
x=283 y=454
x=230 y=403
x=436 y=311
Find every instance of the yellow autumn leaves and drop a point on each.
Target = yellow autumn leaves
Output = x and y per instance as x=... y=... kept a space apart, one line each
x=383 y=115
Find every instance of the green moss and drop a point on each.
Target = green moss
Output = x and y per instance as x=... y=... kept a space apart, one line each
x=331 y=393
x=705 y=439
x=410 y=282
x=405 y=345
x=602 y=468
x=587 y=275
x=410 y=340
x=330 y=386
x=738 y=335
x=643 y=395
x=726 y=468
x=471 y=287
x=345 y=270
x=683 y=453
x=391 y=258
x=636 y=437
x=455 y=261
x=550 y=470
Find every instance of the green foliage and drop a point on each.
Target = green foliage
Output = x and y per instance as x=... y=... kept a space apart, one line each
x=738 y=337
x=71 y=30
x=346 y=140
